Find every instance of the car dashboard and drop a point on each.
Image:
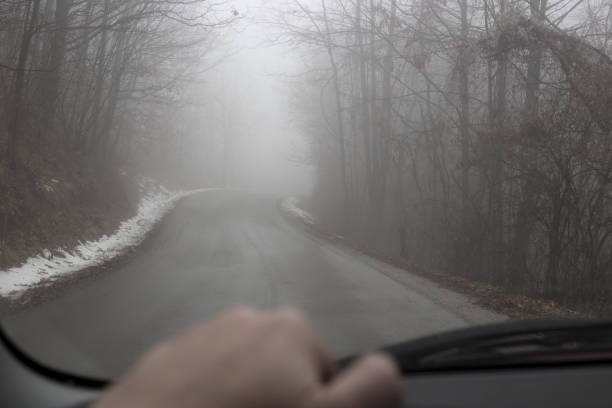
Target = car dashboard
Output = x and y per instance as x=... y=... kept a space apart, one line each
x=551 y=387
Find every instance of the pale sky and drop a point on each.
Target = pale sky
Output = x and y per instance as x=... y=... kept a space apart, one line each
x=265 y=136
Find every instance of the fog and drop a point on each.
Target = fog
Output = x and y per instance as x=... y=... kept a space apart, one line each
x=245 y=99
x=470 y=137
x=265 y=138
x=467 y=142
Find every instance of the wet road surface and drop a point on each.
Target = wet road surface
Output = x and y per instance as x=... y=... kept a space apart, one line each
x=224 y=248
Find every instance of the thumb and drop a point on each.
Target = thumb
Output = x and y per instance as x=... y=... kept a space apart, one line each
x=373 y=381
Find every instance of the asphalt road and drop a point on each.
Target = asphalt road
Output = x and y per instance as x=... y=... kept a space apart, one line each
x=223 y=248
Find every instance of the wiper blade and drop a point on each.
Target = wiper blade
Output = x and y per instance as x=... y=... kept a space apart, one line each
x=537 y=342
x=548 y=346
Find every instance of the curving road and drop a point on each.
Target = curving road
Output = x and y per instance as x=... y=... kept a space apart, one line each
x=222 y=248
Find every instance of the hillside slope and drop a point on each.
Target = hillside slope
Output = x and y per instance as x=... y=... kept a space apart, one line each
x=56 y=197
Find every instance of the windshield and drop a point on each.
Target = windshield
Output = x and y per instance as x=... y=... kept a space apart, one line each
x=393 y=168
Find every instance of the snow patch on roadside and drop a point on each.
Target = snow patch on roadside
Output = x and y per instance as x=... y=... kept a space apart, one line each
x=290 y=205
x=49 y=265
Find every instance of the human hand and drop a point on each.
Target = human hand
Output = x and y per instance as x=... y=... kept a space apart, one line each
x=247 y=358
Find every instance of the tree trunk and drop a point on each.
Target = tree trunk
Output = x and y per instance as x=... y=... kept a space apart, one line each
x=372 y=205
x=51 y=79
x=339 y=116
x=496 y=207
x=526 y=212
x=31 y=22
x=387 y=114
x=464 y=120
x=89 y=135
x=365 y=112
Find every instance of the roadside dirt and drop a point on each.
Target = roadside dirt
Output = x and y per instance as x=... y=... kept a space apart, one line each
x=56 y=287
x=513 y=305
x=56 y=197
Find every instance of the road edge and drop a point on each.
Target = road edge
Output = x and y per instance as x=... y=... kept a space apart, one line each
x=52 y=288
x=515 y=306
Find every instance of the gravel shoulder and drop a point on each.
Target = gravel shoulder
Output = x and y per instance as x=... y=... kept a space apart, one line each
x=404 y=271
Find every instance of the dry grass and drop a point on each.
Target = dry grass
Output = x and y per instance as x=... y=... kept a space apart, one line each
x=55 y=198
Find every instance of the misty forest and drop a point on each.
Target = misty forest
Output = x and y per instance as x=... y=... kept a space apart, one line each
x=469 y=136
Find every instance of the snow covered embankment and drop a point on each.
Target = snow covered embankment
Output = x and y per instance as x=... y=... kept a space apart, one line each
x=46 y=267
x=290 y=205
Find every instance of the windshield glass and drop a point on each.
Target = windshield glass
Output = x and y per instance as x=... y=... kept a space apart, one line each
x=393 y=168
